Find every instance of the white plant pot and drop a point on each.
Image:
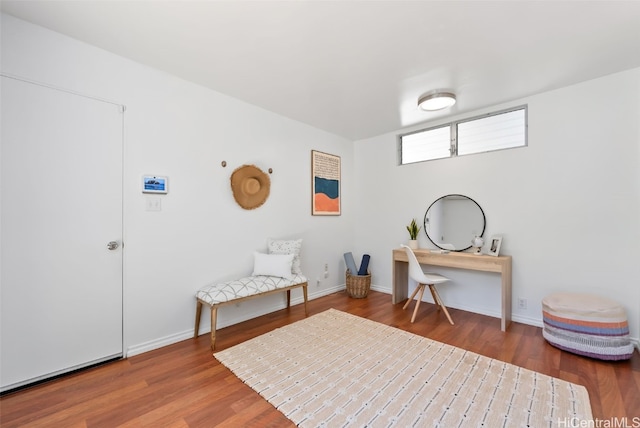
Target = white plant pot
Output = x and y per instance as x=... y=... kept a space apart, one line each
x=413 y=244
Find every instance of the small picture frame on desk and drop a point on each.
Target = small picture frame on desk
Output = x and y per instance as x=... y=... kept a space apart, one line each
x=494 y=246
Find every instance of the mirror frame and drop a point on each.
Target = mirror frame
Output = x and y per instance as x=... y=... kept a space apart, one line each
x=484 y=221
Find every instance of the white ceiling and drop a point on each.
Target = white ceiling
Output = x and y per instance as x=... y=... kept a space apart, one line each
x=357 y=68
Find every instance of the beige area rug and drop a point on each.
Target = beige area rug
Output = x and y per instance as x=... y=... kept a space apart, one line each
x=335 y=369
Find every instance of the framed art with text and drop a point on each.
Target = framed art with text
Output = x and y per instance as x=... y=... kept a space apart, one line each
x=325 y=184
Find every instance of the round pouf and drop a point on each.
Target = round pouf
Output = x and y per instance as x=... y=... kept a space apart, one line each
x=587 y=325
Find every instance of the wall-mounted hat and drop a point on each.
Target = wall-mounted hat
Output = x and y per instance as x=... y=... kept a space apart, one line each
x=250 y=186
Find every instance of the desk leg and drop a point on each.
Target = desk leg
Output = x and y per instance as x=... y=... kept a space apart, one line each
x=400 y=287
x=506 y=297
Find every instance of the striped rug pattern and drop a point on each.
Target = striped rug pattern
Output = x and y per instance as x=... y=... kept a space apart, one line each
x=335 y=369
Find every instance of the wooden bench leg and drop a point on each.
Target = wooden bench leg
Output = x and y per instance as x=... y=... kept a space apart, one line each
x=214 y=320
x=288 y=298
x=198 y=314
x=304 y=294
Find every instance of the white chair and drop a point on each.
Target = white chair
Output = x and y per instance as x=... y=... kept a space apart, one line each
x=424 y=279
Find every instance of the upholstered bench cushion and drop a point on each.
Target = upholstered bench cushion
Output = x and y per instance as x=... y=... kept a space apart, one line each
x=214 y=294
x=587 y=325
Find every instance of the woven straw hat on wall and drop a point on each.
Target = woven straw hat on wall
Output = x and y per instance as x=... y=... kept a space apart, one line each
x=250 y=186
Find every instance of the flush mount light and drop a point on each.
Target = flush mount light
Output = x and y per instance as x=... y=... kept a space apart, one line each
x=436 y=101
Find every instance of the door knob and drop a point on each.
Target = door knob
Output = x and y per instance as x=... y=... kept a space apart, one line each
x=112 y=245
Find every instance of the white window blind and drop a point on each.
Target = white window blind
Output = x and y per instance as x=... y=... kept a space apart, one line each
x=495 y=131
x=500 y=131
x=426 y=145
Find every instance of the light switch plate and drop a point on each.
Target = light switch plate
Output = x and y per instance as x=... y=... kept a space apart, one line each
x=153 y=203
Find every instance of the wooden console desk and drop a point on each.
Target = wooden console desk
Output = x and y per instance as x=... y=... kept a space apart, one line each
x=500 y=264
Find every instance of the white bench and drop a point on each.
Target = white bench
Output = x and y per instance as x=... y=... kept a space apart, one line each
x=216 y=295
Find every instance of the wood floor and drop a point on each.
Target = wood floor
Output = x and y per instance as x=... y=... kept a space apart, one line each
x=182 y=385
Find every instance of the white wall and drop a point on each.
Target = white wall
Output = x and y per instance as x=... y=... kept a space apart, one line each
x=568 y=205
x=184 y=131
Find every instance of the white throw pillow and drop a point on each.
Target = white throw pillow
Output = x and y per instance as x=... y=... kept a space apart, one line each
x=287 y=247
x=273 y=265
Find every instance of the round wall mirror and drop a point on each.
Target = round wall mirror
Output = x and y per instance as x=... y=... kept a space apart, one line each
x=452 y=221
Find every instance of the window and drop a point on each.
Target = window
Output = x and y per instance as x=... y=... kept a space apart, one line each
x=494 y=131
x=432 y=143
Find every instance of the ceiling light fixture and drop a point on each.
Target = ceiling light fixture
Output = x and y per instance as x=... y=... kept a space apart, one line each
x=436 y=101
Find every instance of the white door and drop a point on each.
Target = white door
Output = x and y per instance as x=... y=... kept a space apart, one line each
x=61 y=204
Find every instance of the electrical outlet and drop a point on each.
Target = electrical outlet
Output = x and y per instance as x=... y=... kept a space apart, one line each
x=317 y=281
x=522 y=303
x=326 y=267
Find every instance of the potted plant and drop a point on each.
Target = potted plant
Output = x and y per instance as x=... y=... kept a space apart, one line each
x=413 y=229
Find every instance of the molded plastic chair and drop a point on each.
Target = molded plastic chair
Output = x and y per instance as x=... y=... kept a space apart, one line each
x=424 y=279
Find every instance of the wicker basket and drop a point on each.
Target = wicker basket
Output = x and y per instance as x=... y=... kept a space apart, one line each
x=358 y=285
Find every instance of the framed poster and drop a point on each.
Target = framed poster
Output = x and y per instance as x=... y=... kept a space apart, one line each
x=325 y=184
